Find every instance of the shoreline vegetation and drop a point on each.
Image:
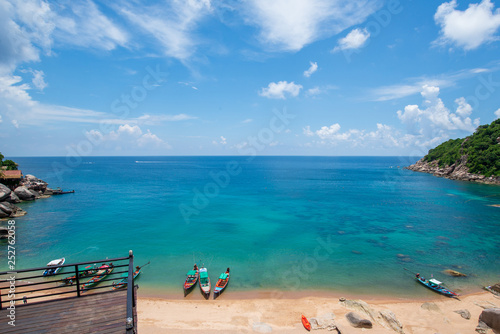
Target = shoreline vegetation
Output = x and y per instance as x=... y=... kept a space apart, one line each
x=475 y=158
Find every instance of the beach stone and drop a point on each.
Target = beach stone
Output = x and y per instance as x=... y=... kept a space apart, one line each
x=356 y=321
x=430 y=307
x=392 y=321
x=453 y=273
x=496 y=287
x=325 y=321
x=361 y=306
x=24 y=193
x=4 y=192
x=261 y=327
x=464 y=313
x=491 y=317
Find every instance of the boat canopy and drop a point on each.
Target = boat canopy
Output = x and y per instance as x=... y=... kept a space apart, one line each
x=435 y=281
x=54 y=262
x=203 y=274
x=191 y=273
x=223 y=276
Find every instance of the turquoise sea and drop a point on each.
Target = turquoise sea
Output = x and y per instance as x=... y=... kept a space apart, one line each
x=346 y=224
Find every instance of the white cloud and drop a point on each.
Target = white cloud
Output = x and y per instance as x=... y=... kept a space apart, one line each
x=313 y=68
x=497 y=113
x=248 y=120
x=393 y=92
x=172 y=25
x=83 y=24
x=223 y=140
x=354 y=40
x=313 y=91
x=426 y=126
x=1 y=119
x=278 y=90
x=289 y=25
x=470 y=28
x=38 y=80
x=436 y=117
x=156 y=119
x=128 y=135
x=15 y=123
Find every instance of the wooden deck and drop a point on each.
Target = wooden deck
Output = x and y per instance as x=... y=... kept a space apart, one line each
x=95 y=313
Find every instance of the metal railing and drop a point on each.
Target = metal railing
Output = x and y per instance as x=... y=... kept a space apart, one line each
x=59 y=285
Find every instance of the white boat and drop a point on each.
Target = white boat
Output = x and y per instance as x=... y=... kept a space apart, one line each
x=204 y=282
x=56 y=264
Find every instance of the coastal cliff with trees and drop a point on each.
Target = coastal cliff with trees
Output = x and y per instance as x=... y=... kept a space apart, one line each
x=474 y=158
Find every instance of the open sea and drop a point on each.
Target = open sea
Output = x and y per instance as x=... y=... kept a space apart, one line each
x=332 y=224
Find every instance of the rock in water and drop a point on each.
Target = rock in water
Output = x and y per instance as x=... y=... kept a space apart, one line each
x=24 y=193
x=261 y=327
x=6 y=208
x=356 y=321
x=464 y=313
x=453 y=273
x=491 y=317
x=4 y=192
x=392 y=321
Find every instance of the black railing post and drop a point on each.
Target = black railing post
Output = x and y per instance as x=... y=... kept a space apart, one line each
x=130 y=323
x=77 y=281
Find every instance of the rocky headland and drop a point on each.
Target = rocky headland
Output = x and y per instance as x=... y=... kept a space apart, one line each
x=29 y=188
x=475 y=158
x=456 y=171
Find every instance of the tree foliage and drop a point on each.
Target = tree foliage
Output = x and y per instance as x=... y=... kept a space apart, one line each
x=482 y=150
x=11 y=165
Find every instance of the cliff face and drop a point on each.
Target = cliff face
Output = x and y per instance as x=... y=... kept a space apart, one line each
x=457 y=171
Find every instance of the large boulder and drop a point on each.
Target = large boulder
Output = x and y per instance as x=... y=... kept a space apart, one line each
x=4 y=192
x=491 y=317
x=5 y=207
x=24 y=193
x=357 y=321
x=13 y=198
x=325 y=321
x=359 y=305
x=4 y=214
x=391 y=320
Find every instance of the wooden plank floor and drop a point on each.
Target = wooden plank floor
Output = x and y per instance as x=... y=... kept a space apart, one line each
x=94 y=313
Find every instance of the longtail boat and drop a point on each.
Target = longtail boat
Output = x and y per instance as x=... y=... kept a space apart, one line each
x=204 y=282
x=103 y=271
x=124 y=281
x=221 y=283
x=54 y=263
x=191 y=279
x=86 y=272
x=436 y=286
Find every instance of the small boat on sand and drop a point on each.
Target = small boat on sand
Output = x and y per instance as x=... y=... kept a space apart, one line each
x=191 y=279
x=221 y=283
x=306 y=323
x=54 y=263
x=101 y=274
x=204 y=282
x=435 y=285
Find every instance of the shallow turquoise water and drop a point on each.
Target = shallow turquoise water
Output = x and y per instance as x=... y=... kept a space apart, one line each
x=288 y=223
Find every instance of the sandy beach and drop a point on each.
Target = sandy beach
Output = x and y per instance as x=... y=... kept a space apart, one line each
x=242 y=313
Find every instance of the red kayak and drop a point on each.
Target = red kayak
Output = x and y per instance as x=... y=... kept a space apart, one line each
x=306 y=323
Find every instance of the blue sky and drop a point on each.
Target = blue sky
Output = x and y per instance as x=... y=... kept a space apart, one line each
x=284 y=77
